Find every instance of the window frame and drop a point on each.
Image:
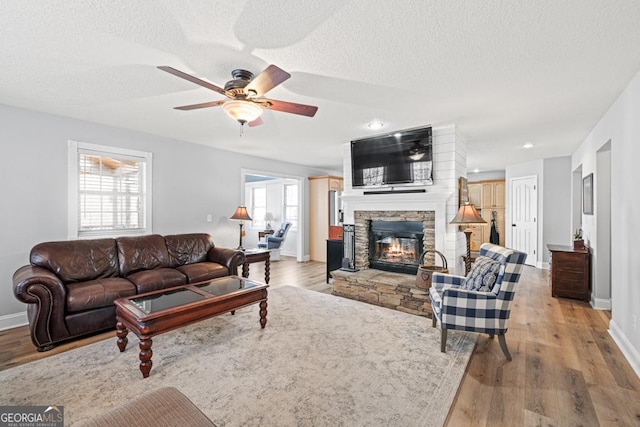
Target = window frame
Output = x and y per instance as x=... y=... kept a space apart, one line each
x=294 y=226
x=73 y=189
x=258 y=223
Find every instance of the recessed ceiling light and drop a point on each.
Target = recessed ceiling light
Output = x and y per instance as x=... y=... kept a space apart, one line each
x=528 y=145
x=476 y=170
x=375 y=125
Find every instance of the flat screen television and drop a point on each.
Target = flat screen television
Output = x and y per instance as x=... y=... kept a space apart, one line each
x=398 y=158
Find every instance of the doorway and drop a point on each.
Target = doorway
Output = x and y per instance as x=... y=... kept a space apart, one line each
x=277 y=198
x=524 y=217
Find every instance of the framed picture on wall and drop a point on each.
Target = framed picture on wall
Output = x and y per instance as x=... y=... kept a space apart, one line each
x=463 y=191
x=587 y=194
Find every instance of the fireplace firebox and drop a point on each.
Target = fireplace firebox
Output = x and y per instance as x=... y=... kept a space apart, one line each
x=395 y=245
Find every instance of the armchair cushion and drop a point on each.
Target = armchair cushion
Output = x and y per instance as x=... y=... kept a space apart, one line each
x=483 y=276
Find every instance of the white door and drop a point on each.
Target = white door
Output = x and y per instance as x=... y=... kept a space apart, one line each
x=524 y=217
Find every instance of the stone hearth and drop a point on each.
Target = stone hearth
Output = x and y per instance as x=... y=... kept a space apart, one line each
x=391 y=290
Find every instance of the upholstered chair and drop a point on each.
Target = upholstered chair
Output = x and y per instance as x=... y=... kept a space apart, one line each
x=274 y=241
x=480 y=302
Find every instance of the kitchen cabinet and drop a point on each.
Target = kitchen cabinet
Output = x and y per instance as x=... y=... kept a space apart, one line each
x=488 y=197
x=323 y=212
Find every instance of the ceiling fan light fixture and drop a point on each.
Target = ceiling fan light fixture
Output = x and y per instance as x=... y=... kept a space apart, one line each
x=242 y=111
x=417 y=152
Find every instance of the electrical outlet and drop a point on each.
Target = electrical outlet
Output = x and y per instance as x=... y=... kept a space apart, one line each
x=209 y=217
x=633 y=320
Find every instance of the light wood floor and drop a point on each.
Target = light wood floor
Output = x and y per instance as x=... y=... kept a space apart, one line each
x=566 y=369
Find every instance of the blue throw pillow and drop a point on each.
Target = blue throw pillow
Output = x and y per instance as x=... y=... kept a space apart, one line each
x=483 y=275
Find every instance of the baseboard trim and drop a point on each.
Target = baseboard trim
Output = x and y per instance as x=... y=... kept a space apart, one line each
x=543 y=265
x=601 y=303
x=628 y=350
x=11 y=321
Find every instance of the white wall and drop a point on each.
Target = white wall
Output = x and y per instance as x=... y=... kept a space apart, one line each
x=621 y=126
x=189 y=182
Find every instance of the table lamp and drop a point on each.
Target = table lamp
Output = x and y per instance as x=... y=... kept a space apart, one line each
x=268 y=217
x=242 y=215
x=467 y=214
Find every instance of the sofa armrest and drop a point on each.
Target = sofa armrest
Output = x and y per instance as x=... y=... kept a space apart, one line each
x=28 y=276
x=230 y=258
x=46 y=295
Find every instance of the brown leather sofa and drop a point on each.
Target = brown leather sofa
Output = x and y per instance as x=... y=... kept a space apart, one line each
x=70 y=286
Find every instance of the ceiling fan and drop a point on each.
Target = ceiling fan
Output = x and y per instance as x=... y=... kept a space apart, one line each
x=246 y=94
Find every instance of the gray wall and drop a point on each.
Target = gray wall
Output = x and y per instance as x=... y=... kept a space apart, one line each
x=556 y=212
x=189 y=182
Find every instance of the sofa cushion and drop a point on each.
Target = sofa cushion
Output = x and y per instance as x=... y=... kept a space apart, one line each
x=98 y=293
x=203 y=271
x=159 y=278
x=188 y=248
x=78 y=260
x=483 y=275
x=141 y=253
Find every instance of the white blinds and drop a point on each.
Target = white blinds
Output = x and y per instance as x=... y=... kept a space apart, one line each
x=291 y=204
x=111 y=192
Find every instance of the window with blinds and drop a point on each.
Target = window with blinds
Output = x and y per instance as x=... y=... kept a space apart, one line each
x=291 y=205
x=111 y=194
x=258 y=206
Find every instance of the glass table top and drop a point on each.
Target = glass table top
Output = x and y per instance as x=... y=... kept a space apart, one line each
x=226 y=285
x=187 y=295
x=166 y=300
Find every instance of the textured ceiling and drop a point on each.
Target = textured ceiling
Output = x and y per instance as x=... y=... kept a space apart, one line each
x=506 y=72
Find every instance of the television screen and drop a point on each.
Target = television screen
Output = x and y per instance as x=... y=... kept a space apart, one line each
x=403 y=157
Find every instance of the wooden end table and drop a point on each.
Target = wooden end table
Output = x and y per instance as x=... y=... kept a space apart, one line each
x=257 y=255
x=156 y=312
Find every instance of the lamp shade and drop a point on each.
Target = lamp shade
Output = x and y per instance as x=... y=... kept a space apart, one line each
x=467 y=214
x=241 y=214
x=242 y=111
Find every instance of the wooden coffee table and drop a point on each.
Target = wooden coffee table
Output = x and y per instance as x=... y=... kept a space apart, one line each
x=156 y=312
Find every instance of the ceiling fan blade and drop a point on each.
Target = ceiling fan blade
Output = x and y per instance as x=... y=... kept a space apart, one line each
x=203 y=105
x=271 y=77
x=290 y=107
x=256 y=122
x=192 y=79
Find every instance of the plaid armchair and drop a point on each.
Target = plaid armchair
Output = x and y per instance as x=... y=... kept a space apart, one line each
x=470 y=310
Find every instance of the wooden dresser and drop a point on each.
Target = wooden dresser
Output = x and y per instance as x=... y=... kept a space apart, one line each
x=570 y=272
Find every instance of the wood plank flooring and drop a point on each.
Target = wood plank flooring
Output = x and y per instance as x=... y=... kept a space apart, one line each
x=566 y=369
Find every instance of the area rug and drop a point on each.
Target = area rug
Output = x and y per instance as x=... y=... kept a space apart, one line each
x=322 y=360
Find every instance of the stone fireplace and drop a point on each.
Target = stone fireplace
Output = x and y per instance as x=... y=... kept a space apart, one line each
x=393 y=240
x=432 y=206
